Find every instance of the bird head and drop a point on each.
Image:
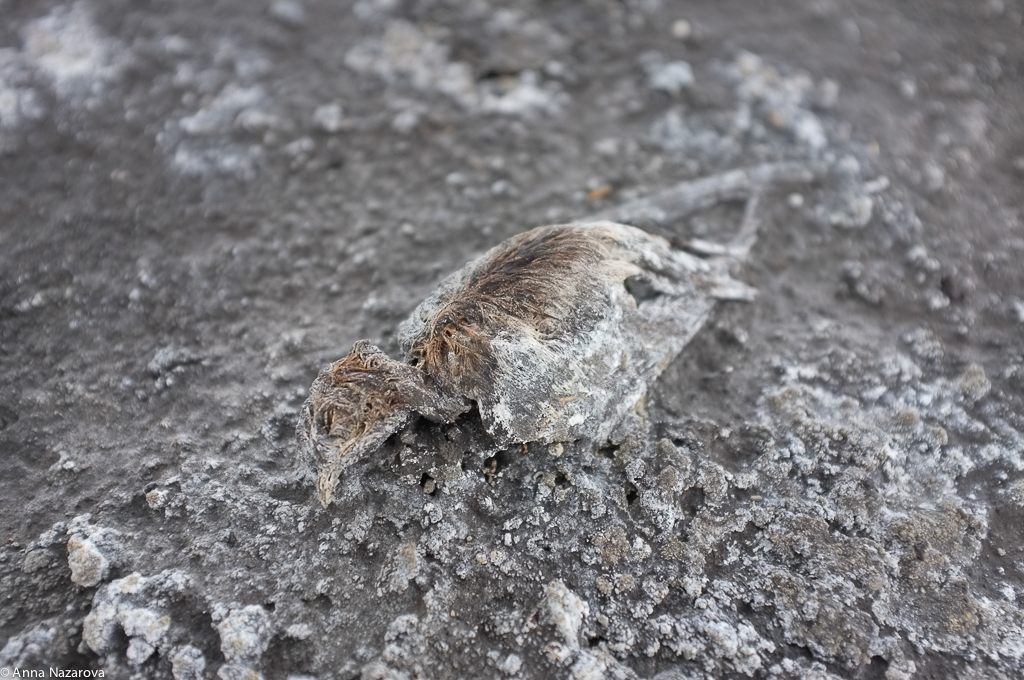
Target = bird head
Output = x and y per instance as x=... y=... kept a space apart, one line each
x=354 y=405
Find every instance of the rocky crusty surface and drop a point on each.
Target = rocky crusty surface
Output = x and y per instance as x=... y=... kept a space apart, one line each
x=202 y=204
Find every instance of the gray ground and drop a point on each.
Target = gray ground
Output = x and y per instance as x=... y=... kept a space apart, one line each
x=203 y=203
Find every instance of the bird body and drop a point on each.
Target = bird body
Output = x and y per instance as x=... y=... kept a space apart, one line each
x=553 y=335
x=544 y=335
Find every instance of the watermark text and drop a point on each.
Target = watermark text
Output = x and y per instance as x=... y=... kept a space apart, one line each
x=6 y=672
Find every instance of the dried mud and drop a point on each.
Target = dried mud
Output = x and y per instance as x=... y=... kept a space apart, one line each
x=203 y=204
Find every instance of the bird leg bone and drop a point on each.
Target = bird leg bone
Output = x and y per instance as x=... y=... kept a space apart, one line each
x=688 y=198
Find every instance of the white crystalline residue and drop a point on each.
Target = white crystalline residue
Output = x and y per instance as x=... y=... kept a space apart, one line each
x=853 y=212
x=289 y=12
x=91 y=551
x=187 y=663
x=590 y=667
x=406 y=121
x=525 y=97
x=88 y=564
x=930 y=410
x=28 y=647
x=244 y=634
x=671 y=77
x=299 y=631
x=407 y=54
x=230 y=160
x=404 y=52
x=1017 y=309
x=133 y=604
x=209 y=141
x=328 y=117
x=511 y=665
x=1012 y=644
x=686 y=135
x=18 y=103
x=146 y=629
x=566 y=611
x=219 y=114
x=723 y=637
x=807 y=128
x=373 y=9
x=71 y=51
x=781 y=100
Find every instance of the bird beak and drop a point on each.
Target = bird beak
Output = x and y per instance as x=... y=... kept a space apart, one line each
x=328 y=474
x=325 y=484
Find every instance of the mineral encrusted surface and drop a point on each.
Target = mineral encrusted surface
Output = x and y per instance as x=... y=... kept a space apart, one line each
x=202 y=204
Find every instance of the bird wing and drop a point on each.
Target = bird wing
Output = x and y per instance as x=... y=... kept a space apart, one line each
x=557 y=332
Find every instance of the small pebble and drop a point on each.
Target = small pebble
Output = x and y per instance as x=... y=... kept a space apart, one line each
x=288 y=12
x=329 y=117
x=681 y=29
x=908 y=89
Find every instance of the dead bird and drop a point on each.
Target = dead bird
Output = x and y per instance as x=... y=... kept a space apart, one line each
x=553 y=335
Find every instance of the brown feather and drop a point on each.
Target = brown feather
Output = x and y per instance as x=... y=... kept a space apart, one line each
x=535 y=281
